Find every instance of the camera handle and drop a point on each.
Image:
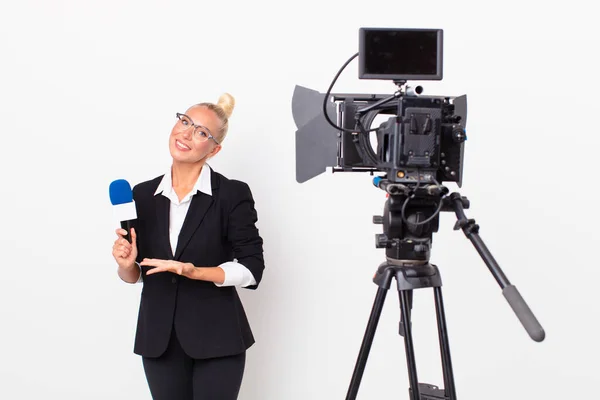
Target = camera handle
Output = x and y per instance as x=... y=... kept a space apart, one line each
x=471 y=230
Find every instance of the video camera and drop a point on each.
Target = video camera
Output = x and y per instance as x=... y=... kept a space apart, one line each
x=419 y=146
x=421 y=143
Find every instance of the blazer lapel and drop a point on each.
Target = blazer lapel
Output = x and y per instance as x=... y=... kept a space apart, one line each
x=201 y=202
x=162 y=223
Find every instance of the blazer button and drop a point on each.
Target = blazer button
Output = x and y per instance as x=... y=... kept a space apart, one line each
x=174 y=280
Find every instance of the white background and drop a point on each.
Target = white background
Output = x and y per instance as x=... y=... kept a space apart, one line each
x=88 y=94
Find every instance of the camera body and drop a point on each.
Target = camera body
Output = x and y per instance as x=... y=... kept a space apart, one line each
x=422 y=141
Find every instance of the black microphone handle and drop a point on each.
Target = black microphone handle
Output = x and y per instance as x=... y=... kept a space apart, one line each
x=127 y=226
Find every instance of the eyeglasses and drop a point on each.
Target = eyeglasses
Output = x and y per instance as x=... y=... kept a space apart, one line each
x=201 y=133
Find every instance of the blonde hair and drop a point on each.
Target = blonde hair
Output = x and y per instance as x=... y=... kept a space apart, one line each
x=223 y=110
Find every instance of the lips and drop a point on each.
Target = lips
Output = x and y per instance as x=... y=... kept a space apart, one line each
x=182 y=146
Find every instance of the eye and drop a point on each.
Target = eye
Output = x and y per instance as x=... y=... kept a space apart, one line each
x=184 y=120
x=202 y=134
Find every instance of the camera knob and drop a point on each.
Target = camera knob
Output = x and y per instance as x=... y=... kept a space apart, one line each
x=381 y=241
x=419 y=248
x=458 y=134
x=378 y=219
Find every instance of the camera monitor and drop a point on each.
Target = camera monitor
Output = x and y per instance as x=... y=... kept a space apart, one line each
x=400 y=54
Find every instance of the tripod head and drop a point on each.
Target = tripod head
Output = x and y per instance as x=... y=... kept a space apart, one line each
x=410 y=218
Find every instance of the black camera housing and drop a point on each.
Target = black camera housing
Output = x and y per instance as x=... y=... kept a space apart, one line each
x=421 y=142
x=423 y=139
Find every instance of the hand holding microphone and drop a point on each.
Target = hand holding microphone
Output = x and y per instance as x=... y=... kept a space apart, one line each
x=125 y=248
x=125 y=253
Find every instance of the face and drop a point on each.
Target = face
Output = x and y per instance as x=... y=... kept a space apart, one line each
x=186 y=146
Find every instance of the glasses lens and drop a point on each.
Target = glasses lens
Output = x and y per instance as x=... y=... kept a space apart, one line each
x=184 y=122
x=201 y=134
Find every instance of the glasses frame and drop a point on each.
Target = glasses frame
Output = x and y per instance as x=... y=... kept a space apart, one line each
x=210 y=135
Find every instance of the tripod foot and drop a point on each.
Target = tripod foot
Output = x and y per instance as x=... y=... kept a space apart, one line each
x=430 y=392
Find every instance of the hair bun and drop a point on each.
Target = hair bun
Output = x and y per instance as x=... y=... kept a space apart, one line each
x=227 y=103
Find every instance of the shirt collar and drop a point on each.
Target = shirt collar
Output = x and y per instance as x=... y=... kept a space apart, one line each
x=203 y=184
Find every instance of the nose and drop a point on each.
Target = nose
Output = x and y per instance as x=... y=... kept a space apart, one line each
x=187 y=132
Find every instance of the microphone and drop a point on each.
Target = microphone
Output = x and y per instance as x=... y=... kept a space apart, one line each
x=124 y=210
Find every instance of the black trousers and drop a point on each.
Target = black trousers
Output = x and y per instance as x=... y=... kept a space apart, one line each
x=176 y=376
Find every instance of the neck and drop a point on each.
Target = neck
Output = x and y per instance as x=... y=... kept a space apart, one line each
x=185 y=175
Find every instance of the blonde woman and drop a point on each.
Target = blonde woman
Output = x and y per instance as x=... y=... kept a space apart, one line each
x=194 y=243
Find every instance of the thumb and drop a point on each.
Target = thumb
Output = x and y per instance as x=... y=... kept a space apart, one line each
x=133 y=237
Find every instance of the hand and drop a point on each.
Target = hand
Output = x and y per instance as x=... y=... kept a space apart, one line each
x=124 y=252
x=175 y=267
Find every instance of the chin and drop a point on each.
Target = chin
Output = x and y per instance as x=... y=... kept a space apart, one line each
x=181 y=159
x=184 y=158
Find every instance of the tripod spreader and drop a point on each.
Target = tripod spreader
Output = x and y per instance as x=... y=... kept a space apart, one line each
x=457 y=203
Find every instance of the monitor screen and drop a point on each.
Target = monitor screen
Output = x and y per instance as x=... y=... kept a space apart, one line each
x=400 y=54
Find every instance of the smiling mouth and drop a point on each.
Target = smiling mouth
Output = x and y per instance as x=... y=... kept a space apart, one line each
x=181 y=146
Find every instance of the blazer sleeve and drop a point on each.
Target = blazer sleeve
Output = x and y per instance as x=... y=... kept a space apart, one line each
x=242 y=233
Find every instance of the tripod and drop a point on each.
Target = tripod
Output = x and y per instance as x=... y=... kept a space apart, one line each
x=407 y=238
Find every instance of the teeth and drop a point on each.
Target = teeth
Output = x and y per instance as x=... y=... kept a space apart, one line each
x=179 y=144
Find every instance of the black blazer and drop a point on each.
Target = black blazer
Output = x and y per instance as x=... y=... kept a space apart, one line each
x=210 y=321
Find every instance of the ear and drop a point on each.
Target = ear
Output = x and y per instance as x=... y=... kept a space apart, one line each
x=214 y=151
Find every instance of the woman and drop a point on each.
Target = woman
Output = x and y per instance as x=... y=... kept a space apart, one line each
x=194 y=242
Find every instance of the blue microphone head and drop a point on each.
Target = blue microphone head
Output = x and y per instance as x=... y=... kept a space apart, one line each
x=120 y=192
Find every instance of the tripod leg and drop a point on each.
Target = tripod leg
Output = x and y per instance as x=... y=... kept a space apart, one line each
x=444 y=345
x=366 y=344
x=405 y=299
x=410 y=302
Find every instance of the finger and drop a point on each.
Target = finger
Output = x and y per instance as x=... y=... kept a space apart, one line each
x=121 y=232
x=151 y=262
x=156 y=270
x=121 y=240
x=118 y=249
x=133 y=237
